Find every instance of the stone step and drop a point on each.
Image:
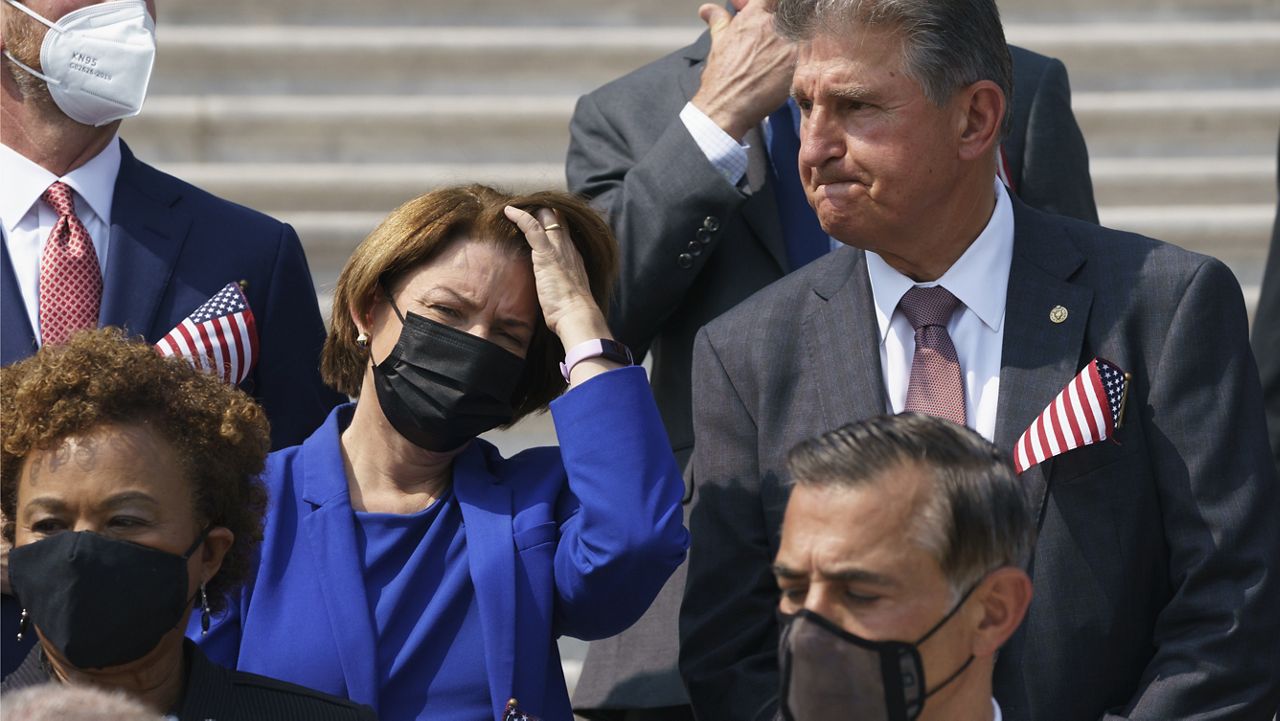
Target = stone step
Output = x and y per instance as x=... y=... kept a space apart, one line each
x=1236 y=234
x=355 y=129
x=638 y=12
x=1154 y=55
x=1174 y=123
x=1183 y=181
x=534 y=128
x=405 y=59
x=355 y=187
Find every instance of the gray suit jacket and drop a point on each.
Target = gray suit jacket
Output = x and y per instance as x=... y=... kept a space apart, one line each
x=1155 y=571
x=1266 y=333
x=694 y=246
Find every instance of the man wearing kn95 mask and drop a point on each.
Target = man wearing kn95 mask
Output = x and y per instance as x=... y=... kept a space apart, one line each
x=95 y=237
x=900 y=571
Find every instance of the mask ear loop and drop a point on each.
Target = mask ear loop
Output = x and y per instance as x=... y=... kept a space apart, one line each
x=954 y=610
x=390 y=299
x=43 y=21
x=35 y=15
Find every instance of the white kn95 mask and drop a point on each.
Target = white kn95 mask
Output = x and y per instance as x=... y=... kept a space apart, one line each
x=97 y=60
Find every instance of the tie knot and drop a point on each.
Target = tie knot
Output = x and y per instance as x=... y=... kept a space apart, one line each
x=60 y=198
x=928 y=306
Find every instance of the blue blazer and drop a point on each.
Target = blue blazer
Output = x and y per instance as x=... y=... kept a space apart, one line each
x=172 y=247
x=574 y=540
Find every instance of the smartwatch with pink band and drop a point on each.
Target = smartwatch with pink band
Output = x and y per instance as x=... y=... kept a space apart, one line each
x=595 y=348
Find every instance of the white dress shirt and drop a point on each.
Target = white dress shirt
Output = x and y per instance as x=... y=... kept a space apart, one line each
x=727 y=155
x=28 y=220
x=980 y=280
x=996 y=707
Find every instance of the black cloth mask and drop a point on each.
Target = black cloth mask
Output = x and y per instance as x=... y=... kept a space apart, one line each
x=439 y=387
x=828 y=672
x=99 y=601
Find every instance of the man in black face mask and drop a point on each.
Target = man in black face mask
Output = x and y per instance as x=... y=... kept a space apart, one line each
x=900 y=570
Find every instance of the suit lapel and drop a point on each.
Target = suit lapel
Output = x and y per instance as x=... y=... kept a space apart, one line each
x=844 y=341
x=760 y=209
x=486 y=516
x=1039 y=357
x=147 y=235
x=330 y=529
x=17 y=338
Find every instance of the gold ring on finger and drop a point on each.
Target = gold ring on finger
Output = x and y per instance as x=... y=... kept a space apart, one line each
x=553 y=226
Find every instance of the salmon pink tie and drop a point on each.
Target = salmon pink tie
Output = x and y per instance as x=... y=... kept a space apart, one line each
x=70 y=279
x=936 y=387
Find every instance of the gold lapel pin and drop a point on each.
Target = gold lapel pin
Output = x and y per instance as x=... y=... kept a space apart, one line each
x=1058 y=314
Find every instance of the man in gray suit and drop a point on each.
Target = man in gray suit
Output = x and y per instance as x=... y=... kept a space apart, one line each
x=1155 y=572
x=700 y=231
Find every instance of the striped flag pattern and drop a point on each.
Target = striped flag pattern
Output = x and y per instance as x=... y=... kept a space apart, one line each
x=1088 y=410
x=220 y=337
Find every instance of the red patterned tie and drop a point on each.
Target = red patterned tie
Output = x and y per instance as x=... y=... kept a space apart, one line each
x=70 y=279
x=936 y=387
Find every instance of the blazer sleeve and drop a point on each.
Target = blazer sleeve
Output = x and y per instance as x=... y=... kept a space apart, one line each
x=291 y=334
x=624 y=534
x=1217 y=640
x=659 y=196
x=1055 y=163
x=728 y=631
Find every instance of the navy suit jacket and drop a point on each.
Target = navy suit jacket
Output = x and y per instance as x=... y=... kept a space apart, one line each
x=172 y=247
x=574 y=540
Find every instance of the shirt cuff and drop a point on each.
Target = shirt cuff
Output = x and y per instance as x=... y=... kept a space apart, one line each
x=726 y=154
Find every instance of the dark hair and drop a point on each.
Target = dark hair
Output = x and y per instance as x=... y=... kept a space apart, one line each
x=101 y=377
x=417 y=231
x=946 y=44
x=976 y=518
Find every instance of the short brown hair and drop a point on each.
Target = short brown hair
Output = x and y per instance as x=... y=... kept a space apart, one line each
x=99 y=377
x=975 y=519
x=417 y=231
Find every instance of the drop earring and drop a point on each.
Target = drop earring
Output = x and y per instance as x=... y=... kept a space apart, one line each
x=362 y=340
x=204 y=612
x=22 y=625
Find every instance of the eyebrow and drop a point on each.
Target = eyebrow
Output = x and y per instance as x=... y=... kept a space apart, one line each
x=471 y=305
x=127 y=497
x=847 y=575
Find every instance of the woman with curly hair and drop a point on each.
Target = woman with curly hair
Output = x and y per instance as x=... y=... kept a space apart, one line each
x=129 y=485
x=406 y=563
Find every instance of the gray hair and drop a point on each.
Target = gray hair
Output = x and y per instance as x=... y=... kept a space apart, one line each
x=976 y=518
x=947 y=44
x=65 y=702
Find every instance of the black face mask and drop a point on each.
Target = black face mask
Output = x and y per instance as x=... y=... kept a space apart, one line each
x=440 y=387
x=828 y=672
x=101 y=602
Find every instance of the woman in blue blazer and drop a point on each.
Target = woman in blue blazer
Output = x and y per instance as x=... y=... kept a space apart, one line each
x=405 y=563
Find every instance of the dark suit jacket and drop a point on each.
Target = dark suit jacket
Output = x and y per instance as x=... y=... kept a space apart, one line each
x=1155 y=570
x=629 y=151
x=213 y=693
x=172 y=247
x=1266 y=334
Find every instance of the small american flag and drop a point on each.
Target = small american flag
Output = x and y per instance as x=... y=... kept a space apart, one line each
x=1088 y=410
x=220 y=337
x=513 y=713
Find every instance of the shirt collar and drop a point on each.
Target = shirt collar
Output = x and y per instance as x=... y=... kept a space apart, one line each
x=983 y=267
x=996 y=708
x=25 y=182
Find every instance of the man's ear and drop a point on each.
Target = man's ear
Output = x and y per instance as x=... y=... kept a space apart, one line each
x=980 y=118
x=1003 y=597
